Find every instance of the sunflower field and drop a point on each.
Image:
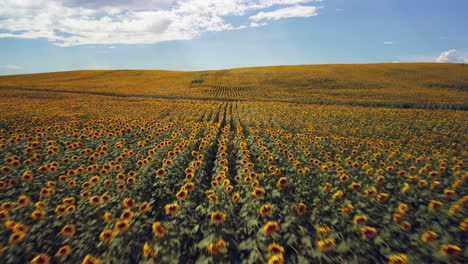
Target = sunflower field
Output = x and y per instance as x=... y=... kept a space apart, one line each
x=105 y=179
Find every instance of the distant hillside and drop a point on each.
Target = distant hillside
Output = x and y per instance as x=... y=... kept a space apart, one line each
x=432 y=85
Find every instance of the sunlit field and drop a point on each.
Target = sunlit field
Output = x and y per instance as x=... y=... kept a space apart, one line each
x=238 y=166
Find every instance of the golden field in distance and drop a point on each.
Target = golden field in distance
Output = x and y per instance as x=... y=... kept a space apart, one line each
x=408 y=85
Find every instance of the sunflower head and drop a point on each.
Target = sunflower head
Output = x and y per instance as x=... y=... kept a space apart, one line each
x=171 y=209
x=275 y=249
x=368 y=232
x=271 y=227
x=451 y=251
x=266 y=209
x=398 y=259
x=429 y=236
x=89 y=259
x=158 y=229
x=182 y=194
x=107 y=235
x=122 y=225
x=282 y=182
x=68 y=230
x=218 y=217
x=259 y=192
x=360 y=220
x=41 y=259
x=64 y=251
x=326 y=244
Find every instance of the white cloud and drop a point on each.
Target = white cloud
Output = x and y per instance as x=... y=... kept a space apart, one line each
x=287 y=12
x=452 y=55
x=388 y=42
x=78 y=22
x=10 y=67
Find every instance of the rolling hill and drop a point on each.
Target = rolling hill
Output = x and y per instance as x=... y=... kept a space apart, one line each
x=421 y=85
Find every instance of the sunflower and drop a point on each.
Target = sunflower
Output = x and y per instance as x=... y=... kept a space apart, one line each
x=148 y=252
x=36 y=215
x=158 y=229
x=16 y=237
x=382 y=197
x=301 y=208
x=41 y=259
x=259 y=192
x=451 y=251
x=282 y=182
x=216 y=247
x=182 y=195
x=327 y=187
x=129 y=203
x=107 y=235
x=355 y=186
x=95 y=179
x=27 y=176
x=323 y=231
x=402 y=208
x=338 y=195
x=380 y=180
x=122 y=225
x=235 y=197
x=429 y=236
x=171 y=208
x=405 y=226
x=344 y=178
x=271 y=227
x=89 y=259
x=433 y=204
x=347 y=210
x=20 y=228
x=368 y=232
x=455 y=209
x=69 y=201
x=95 y=200
x=64 y=251
x=275 y=249
x=266 y=209
x=10 y=224
x=85 y=194
x=397 y=217
x=68 y=230
x=464 y=225
x=360 y=220
x=7 y=206
x=276 y=259
x=218 y=217
x=121 y=187
x=464 y=201
x=189 y=186
x=213 y=199
x=108 y=217
x=127 y=215
x=371 y=191
x=144 y=207
x=326 y=244
x=189 y=176
x=161 y=172
x=397 y=259
x=3 y=215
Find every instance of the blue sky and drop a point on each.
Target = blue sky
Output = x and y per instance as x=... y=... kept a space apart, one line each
x=60 y=35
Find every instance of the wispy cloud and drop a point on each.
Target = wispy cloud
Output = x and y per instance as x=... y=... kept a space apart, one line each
x=287 y=12
x=388 y=42
x=10 y=67
x=452 y=55
x=77 y=22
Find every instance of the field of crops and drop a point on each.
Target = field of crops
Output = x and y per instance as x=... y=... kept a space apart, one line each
x=110 y=179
